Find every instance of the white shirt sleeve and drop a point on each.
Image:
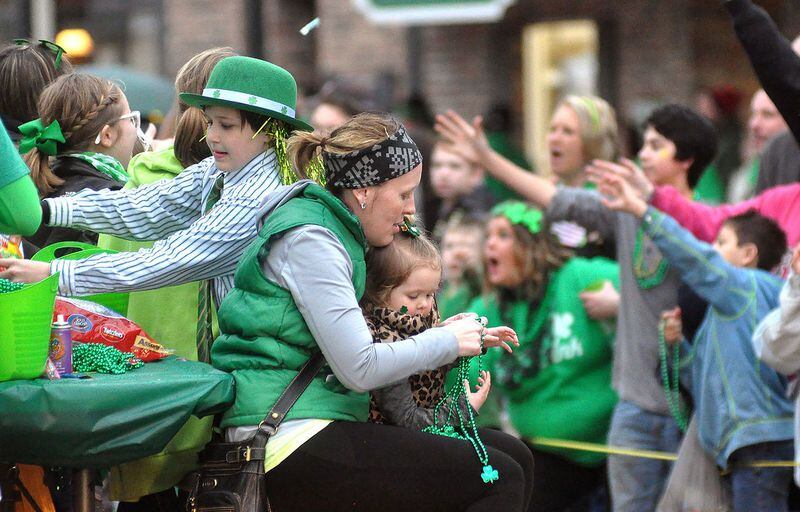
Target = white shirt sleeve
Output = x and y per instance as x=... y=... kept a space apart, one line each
x=149 y=212
x=209 y=248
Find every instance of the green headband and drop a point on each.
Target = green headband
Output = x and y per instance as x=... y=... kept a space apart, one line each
x=50 y=45
x=518 y=212
x=36 y=135
x=594 y=112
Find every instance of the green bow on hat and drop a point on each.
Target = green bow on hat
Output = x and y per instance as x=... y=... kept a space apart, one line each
x=254 y=85
x=36 y=135
x=518 y=212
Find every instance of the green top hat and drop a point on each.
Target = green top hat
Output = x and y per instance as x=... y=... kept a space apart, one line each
x=245 y=83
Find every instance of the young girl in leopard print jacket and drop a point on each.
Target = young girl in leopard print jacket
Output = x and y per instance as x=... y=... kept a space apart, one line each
x=399 y=303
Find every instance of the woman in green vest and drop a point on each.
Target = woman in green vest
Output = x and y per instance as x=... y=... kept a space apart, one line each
x=297 y=289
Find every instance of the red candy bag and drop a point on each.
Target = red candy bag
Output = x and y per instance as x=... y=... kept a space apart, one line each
x=92 y=323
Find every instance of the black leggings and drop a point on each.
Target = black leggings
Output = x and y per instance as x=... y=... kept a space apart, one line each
x=564 y=485
x=363 y=466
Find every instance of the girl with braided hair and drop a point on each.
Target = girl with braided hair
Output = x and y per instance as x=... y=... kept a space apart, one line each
x=83 y=138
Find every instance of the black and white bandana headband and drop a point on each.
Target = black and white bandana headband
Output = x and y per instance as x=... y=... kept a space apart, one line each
x=386 y=160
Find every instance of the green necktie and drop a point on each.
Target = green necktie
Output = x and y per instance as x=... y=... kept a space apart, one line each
x=205 y=336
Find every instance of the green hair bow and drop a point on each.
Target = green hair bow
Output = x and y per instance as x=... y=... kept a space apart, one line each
x=410 y=228
x=36 y=135
x=518 y=212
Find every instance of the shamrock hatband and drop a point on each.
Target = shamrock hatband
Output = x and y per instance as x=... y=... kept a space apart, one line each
x=250 y=99
x=520 y=213
x=36 y=135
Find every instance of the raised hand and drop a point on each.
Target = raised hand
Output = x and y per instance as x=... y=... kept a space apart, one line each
x=500 y=337
x=620 y=196
x=467 y=139
x=478 y=397
x=626 y=169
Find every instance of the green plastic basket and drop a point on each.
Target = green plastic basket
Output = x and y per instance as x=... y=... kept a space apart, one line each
x=26 y=316
x=116 y=301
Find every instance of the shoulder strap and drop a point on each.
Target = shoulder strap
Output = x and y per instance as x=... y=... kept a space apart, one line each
x=276 y=415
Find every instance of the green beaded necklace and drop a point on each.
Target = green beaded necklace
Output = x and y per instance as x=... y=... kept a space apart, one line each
x=671 y=385
x=96 y=357
x=7 y=286
x=466 y=429
x=647 y=278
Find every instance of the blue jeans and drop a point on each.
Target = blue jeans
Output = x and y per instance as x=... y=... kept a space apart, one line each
x=637 y=483
x=757 y=489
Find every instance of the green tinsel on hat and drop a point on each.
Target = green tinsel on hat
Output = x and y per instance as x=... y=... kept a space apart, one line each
x=279 y=135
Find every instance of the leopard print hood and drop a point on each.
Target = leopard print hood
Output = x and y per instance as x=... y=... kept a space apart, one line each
x=388 y=325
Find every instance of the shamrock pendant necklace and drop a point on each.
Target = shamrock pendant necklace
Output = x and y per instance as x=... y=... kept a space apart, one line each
x=647 y=277
x=466 y=429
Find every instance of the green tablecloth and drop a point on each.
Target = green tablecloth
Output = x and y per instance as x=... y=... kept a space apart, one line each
x=108 y=419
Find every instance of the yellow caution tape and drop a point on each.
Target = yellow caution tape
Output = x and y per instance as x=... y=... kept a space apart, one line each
x=643 y=454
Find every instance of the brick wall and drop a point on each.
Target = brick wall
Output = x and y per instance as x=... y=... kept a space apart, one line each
x=196 y=25
x=660 y=53
x=457 y=69
x=349 y=46
x=283 y=44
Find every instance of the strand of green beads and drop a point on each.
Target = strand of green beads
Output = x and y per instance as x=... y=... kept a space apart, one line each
x=96 y=357
x=7 y=286
x=670 y=389
x=488 y=474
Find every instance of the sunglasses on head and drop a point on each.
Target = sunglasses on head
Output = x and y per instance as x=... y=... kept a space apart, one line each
x=50 y=45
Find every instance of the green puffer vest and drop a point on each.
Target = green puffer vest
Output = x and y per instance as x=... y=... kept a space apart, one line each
x=265 y=340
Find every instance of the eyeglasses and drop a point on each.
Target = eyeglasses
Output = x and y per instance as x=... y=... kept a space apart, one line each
x=50 y=45
x=135 y=118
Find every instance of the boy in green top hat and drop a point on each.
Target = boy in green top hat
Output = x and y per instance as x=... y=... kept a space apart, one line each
x=205 y=217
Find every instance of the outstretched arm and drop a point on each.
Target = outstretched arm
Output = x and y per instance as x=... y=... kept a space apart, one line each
x=150 y=212
x=471 y=142
x=771 y=55
x=782 y=204
x=726 y=287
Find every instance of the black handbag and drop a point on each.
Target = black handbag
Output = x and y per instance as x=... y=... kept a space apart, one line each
x=231 y=476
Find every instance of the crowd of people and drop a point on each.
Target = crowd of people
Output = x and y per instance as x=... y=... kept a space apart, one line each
x=521 y=342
